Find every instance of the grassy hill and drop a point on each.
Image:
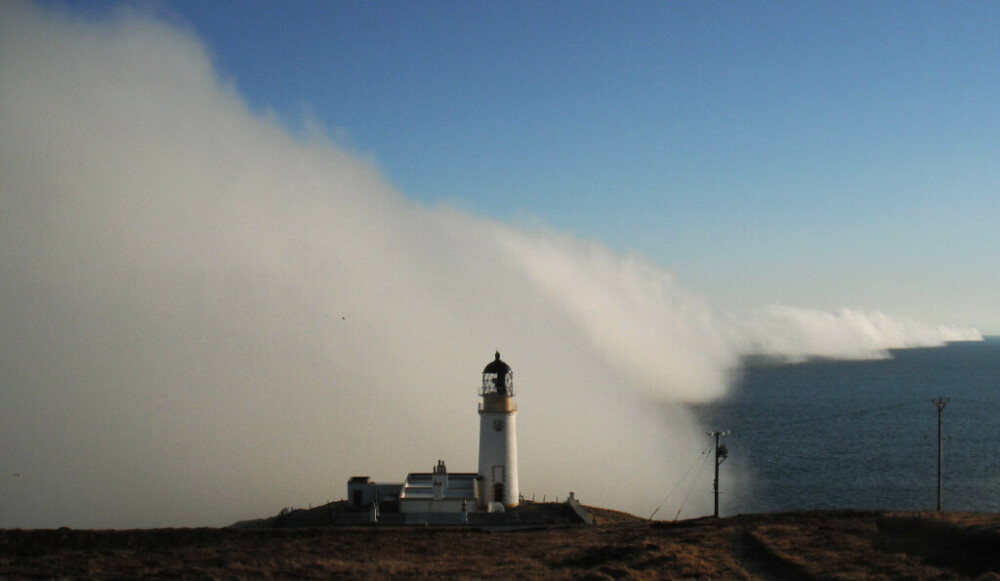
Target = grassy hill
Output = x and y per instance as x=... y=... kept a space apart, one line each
x=807 y=545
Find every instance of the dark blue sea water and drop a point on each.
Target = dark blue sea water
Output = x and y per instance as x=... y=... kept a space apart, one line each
x=863 y=434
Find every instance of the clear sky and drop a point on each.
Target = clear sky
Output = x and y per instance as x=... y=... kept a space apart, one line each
x=819 y=154
x=249 y=250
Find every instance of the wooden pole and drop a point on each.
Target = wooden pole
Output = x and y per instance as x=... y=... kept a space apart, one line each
x=940 y=403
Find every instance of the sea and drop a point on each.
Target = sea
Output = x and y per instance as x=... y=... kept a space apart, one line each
x=827 y=434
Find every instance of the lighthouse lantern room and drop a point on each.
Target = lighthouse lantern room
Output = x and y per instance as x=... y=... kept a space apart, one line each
x=498 y=437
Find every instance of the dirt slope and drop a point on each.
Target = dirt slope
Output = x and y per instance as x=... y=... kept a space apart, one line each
x=809 y=545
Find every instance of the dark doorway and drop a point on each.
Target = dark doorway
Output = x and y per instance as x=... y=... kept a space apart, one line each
x=498 y=492
x=357 y=499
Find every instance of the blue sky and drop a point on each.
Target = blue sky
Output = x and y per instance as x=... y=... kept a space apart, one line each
x=821 y=154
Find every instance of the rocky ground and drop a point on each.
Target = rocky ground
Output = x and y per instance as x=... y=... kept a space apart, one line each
x=806 y=545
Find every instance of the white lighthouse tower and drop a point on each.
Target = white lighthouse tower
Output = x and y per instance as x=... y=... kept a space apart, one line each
x=498 y=437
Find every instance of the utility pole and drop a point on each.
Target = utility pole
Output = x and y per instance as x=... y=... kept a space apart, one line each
x=940 y=403
x=721 y=453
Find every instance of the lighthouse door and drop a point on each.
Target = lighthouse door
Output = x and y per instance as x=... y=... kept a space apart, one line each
x=498 y=480
x=498 y=492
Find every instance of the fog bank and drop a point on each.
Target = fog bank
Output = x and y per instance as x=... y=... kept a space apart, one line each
x=207 y=318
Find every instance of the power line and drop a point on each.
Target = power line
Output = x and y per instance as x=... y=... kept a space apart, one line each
x=978 y=402
x=812 y=419
x=702 y=456
x=771 y=425
x=694 y=481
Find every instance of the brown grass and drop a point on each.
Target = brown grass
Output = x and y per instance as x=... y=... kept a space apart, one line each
x=810 y=545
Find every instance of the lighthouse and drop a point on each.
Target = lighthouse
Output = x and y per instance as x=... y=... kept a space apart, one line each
x=498 y=437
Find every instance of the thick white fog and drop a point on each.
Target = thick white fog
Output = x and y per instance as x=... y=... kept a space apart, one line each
x=207 y=316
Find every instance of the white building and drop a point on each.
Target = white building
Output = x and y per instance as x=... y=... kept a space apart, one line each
x=439 y=491
x=498 y=437
x=492 y=488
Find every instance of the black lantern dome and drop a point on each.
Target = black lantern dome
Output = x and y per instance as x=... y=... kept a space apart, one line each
x=498 y=379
